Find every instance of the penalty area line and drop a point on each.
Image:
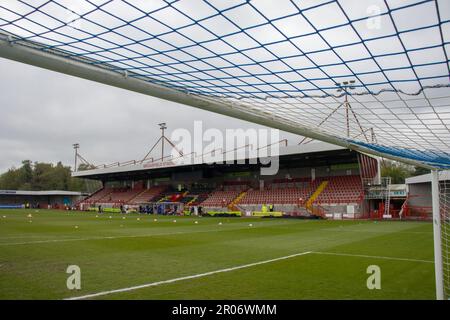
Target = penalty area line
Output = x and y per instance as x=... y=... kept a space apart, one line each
x=200 y=275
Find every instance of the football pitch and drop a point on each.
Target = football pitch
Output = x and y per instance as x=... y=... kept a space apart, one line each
x=138 y=257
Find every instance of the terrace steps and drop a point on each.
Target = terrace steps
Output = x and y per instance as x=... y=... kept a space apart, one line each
x=316 y=194
x=138 y=194
x=232 y=205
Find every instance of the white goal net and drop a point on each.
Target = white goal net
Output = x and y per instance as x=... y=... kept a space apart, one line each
x=444 y=204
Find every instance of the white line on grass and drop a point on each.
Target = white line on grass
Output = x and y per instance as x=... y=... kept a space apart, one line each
x=369 y=256
x=22 y=237
x=133 y=236
x=129 y=236
x=107 y=237
x=374 y=231
x=200 y=275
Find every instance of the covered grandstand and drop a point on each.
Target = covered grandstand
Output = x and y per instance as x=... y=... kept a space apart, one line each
x=43 y=199
x=313 y=180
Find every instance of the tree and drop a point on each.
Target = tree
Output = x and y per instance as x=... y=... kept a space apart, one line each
x=84 y=166
x=419 y=171
x=397 y=171
x=10 y=180
x=42 y=176
x=45 y=176
x=25 y=173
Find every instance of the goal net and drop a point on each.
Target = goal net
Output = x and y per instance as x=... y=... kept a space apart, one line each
x=444 y=204
x=372 y=78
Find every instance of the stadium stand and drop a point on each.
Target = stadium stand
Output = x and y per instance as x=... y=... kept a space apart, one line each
x=199 y=196
x=99 y=195
x=342 y=190
x=121 y=195
x=170 y=194
x=220 y=198
x=281 y=192
x=148 y=195
x=294 y=196
x=321 y=182
x=115 y=195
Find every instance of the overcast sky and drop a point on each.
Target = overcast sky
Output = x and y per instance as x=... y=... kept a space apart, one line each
x=43 y=113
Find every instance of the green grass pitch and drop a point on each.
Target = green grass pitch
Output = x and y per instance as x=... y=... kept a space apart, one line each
x=116 y=253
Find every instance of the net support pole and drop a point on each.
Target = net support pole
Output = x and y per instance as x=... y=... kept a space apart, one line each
x=437 y=235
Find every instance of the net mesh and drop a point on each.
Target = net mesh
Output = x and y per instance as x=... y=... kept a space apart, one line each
x=284 y=58
x=444 y=192
x=375 y=74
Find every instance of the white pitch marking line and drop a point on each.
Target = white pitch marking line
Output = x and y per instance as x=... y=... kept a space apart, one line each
x=374 y=231
x=200 y=275
x=369 y=256
x=106 y=237
x=120 y=237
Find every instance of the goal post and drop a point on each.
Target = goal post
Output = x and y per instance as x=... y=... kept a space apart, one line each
x=437 y=232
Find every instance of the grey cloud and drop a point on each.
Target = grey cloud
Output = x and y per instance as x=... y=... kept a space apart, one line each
x=43 y=112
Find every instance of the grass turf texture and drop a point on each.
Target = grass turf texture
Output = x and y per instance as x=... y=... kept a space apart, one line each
x=115 y=253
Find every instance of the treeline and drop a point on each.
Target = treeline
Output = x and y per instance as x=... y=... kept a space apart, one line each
x=45 y=176
x=400 y=171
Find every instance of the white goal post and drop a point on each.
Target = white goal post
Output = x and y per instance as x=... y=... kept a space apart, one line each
x=437 y=232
